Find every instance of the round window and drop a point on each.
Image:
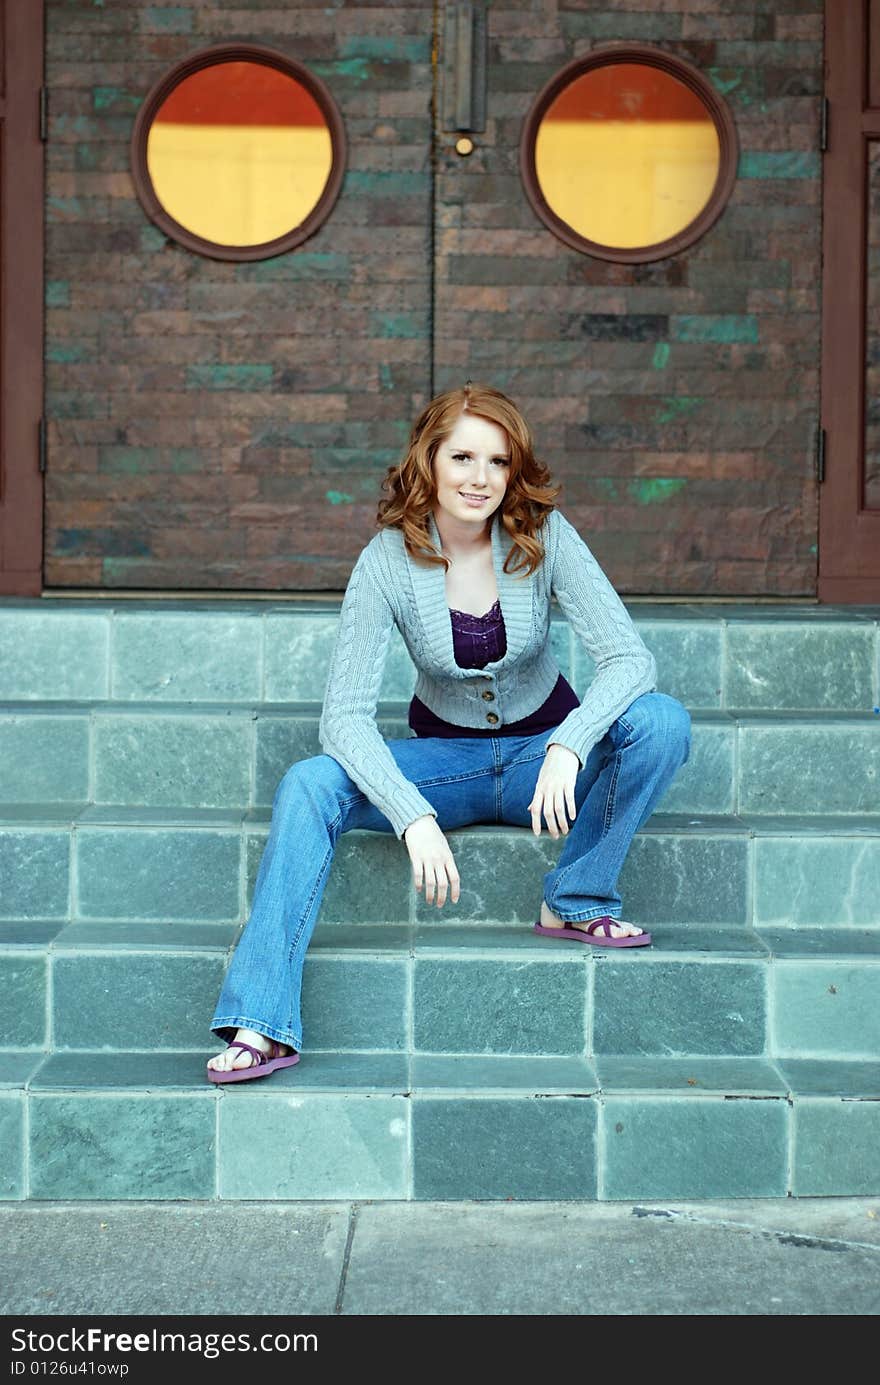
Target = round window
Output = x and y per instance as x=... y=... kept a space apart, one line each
x=628 y=154
x=238 y=152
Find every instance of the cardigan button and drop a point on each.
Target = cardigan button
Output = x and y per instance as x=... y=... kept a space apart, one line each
x=491 y=716
x=488 y=696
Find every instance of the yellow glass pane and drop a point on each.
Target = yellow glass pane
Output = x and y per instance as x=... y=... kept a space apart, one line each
x=240 y=153
x=627 y=155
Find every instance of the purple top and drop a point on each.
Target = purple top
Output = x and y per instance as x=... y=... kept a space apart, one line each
x=478 y=641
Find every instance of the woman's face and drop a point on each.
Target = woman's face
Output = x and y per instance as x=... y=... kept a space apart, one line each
x=473 y=461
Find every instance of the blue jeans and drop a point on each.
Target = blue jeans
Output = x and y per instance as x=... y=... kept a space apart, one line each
x=468 y=780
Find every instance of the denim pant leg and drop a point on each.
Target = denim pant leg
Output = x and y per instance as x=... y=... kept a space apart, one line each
x=625 y=775
x=314 y=804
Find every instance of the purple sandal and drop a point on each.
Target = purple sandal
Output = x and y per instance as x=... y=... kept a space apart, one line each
x=265 y=1063
x=591 y=934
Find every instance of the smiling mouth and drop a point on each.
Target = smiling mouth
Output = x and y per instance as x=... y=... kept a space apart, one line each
x=465 y=496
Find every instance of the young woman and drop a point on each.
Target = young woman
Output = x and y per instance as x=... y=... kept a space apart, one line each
x=469 y=551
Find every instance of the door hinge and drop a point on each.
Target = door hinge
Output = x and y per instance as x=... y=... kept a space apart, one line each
x=41 y=444
x=823 y=126
x=464 y=66
x=820 y=455
x=44 y=113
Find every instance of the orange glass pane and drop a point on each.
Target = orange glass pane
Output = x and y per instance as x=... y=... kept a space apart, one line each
x=239 y=153
x=627 y=155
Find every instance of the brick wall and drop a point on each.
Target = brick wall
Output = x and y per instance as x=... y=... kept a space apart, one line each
x=226 y=426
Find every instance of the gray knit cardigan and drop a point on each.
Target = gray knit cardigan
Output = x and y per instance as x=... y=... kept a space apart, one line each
x=387 y=588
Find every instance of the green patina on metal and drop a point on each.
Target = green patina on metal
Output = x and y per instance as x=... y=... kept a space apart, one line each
x=661 y=355
x=676 y=406
x=785 y=163
x=173 y=19
x=57 y=293
x=302 y=265
x=653 y=489
x=228 y=377
x=103 y=98
x=59 y=207
x=387 y=47
x=722 y=327
x=68 y=352
x=395 y=325
x=356 y=68
x=386 y=378
x=339 y=497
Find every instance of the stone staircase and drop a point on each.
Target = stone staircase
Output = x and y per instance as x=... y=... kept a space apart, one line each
x=451 y=1054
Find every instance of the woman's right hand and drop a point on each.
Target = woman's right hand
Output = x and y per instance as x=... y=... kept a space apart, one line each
x=431 y=857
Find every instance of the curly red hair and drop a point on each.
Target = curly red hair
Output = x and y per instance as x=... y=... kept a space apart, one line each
x=411 y=487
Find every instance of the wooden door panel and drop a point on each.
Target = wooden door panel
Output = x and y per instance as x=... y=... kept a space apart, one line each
x=849 y=528
x=21 y=290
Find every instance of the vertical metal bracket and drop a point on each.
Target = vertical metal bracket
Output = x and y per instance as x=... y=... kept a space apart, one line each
x=464 y=65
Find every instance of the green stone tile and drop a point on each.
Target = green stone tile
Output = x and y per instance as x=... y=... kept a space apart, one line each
x=203 y=762
x=740 y=1076
x=502 y=874
x=182 y=657
x=799 y=664
x=369 y=882
x=45 y=759
x=141 y=815
x=17 y=1069
x=136 y=1000
x=814 y=881
x=143 y=937
x=12 y=1145
x=830 y=1077
x=817 y=769
x=281 y=742
x=121 y=1146
x=35 y=871
x=835 y=1148
x=52 y=655
x=312 y=1146
x=298 y=650
x=705 y=782
x=387 y=1073
x=499 y=1006
x=716 y=942
x=678 y=1009
x=823 y=942
x=105 y=1072
x=23 y=985
x=160 y=875
x=354 y=1003
x=526 y=1076
x=688 y=655
x=346 y=938
x=28 y=932
x=694 y=1147
x=700 y=877
x=492 y=939
x=40 y=814
x=825 y=1009
x=497 y=1148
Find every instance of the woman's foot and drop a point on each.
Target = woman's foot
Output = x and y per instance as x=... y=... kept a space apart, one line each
x=619 y=929
x=233 y=1057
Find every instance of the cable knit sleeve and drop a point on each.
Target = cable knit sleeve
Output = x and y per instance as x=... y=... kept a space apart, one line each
x=625 y=667
x=347 y=729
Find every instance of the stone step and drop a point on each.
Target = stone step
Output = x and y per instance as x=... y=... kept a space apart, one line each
x=746 y=656
x=459 y=991
x=383 y=1126
x=232 y=758
x=93 y=862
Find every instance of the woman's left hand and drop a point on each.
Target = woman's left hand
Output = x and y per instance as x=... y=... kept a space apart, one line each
x=554 y=791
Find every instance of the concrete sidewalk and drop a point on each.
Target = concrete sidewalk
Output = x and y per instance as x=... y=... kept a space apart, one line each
x=812 y=1256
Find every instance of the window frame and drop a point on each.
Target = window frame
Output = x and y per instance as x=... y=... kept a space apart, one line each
x=683 y=71
x=215 y=55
